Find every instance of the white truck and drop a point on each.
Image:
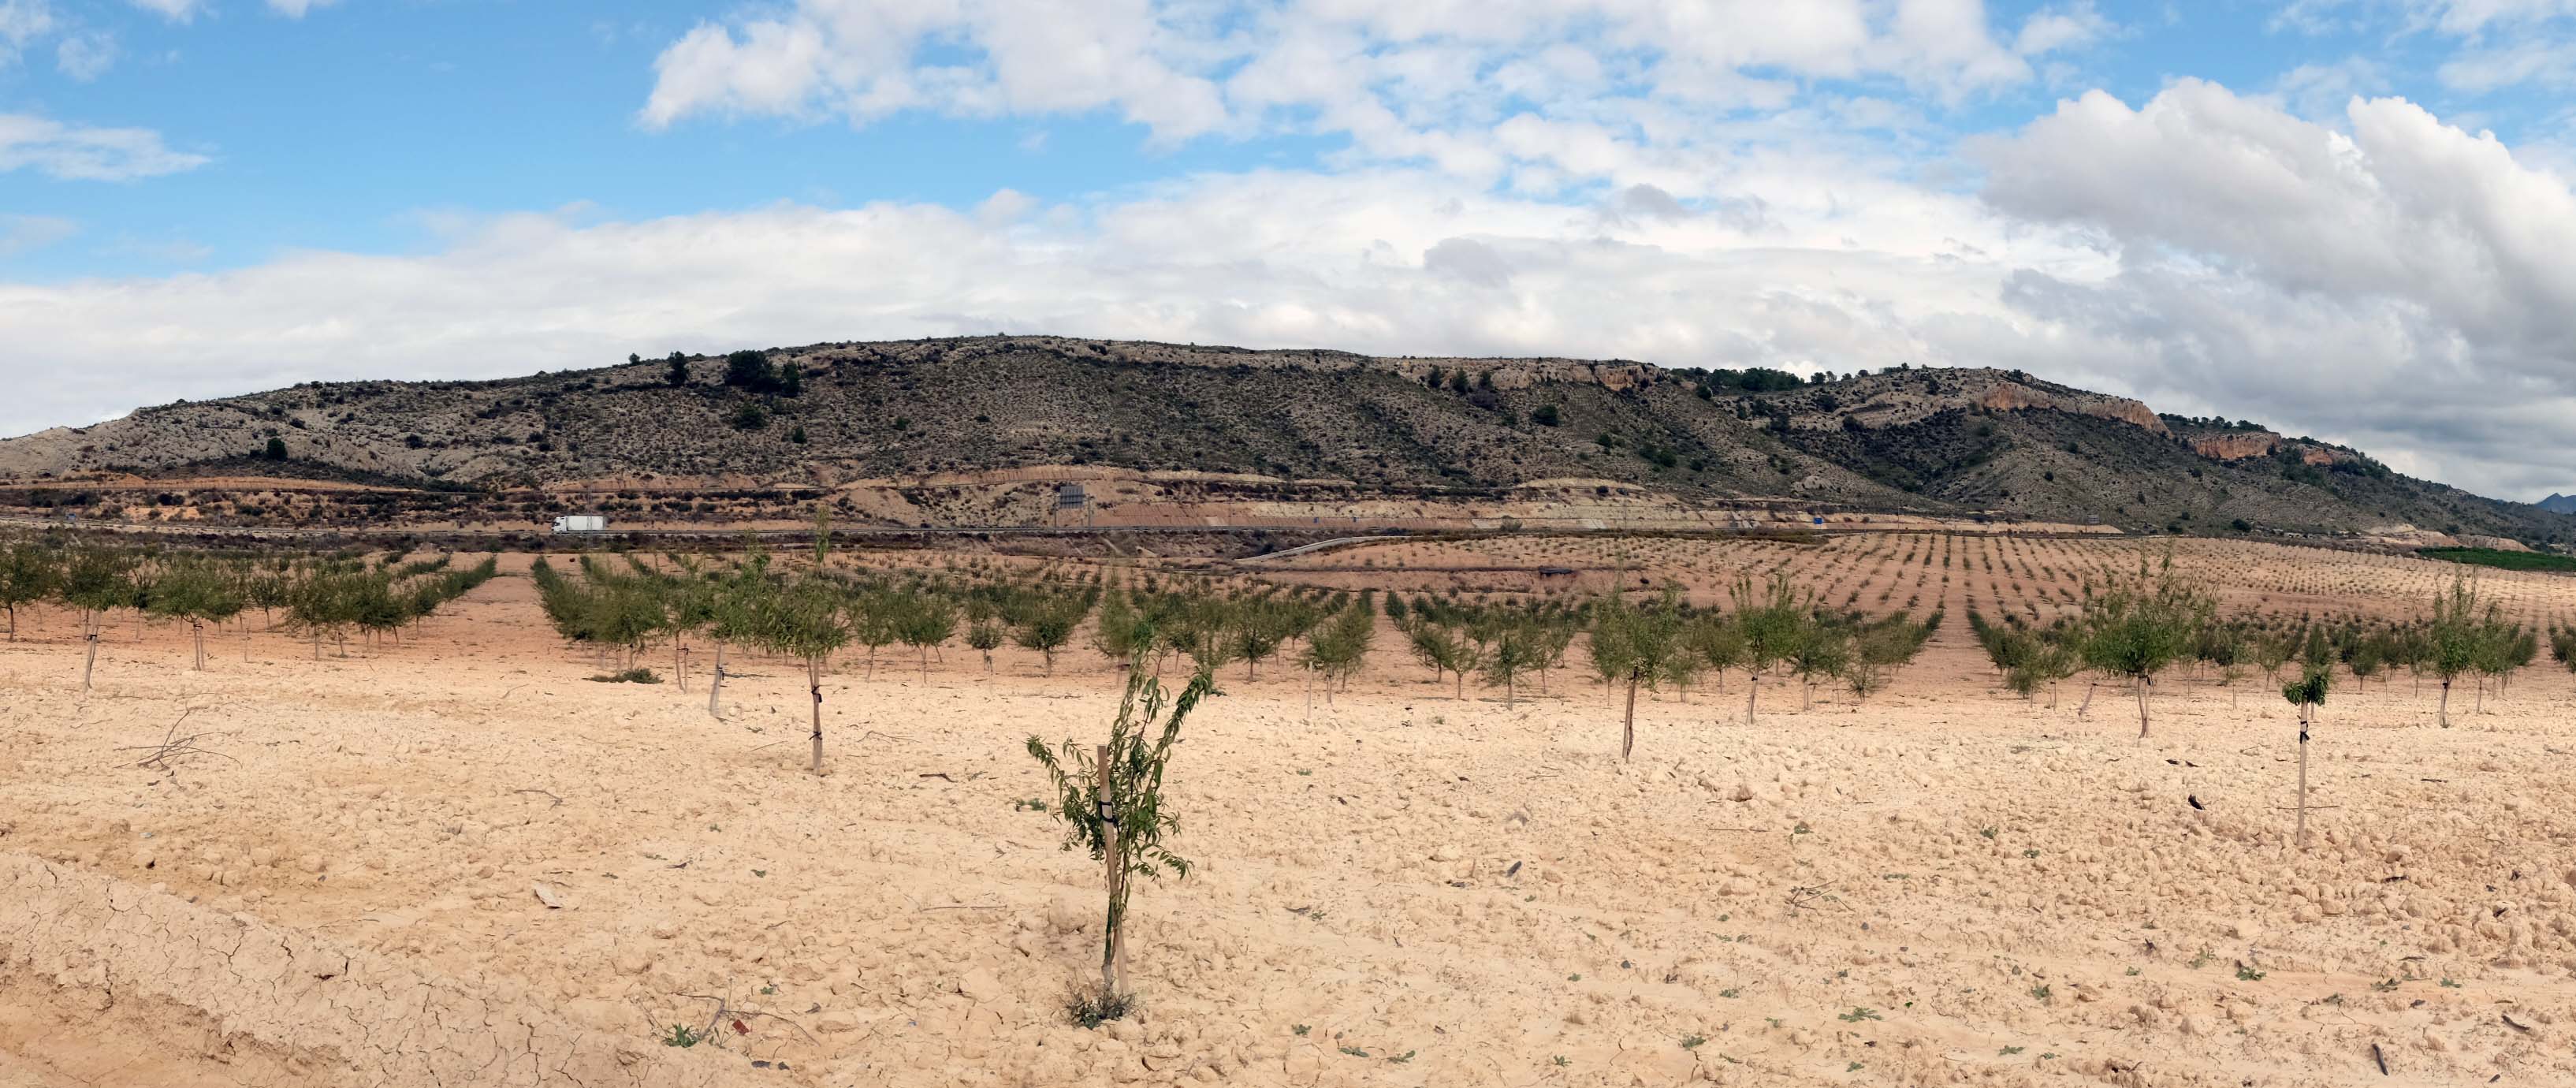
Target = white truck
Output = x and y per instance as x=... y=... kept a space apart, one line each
x=581 y=523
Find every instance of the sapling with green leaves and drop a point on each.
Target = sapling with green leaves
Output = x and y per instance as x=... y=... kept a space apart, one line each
x=1444 y=648
x=95 y=580
x=2139 y=627
x=1111 y=800
x=806 y=621
x=925 y=621
x=2308 y=693
x=1719 y=642
x=1511 y=650
x=1634 y=646
x=1048 y=626
x=737 y=602
x=1823 y=650
x=28 y=573
x=984 y=636
x=1773 y=624
x=2457 y=636
x=199 y=592
x=1338 y=646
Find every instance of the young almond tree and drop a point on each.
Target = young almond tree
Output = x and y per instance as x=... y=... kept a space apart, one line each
x=1049 y=625
x=807 y=621
x=1112 y=801
x=1773 y=626
x=1719 y=642
x=199 y=592
x=1823 y=651
x=1444 y=649
x=983 y=637
x=1511 y=651
x=926 y=621
x=2307 y=693
x=2141 y=627
x=95 y=579
x=2458 y=636
x=1338 y=646
x=739 y=602
x=28 y=571
x=1635 y=646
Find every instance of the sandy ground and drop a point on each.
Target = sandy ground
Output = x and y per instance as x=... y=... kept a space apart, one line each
x=1945 y=886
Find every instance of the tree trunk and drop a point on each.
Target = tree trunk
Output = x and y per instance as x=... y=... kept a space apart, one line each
x=2146 y=687
x=89 y=632
x=1810 y=703
x=2087 y=706
x=814 y=685
x=1628 y=727
x=2305 y=715
x=2443 y=713
x=715 y=687
x=197 y=634
x=1752 y=689
x=680 y=664
x=1462 y=685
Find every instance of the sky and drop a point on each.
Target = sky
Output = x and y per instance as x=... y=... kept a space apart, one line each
x=2351 y=219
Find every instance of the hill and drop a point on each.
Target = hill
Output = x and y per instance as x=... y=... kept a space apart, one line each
x=1284 y=425
x=2561 y=504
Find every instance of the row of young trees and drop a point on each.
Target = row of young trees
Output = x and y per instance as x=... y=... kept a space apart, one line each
x=324 y=595
x=1663 y=642
x=2141 y=627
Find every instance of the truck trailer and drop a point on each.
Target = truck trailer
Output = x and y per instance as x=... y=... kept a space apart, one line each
x=581 y=523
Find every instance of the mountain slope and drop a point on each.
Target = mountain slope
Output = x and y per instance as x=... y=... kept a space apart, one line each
x=2561 y=504
x=1943 y=442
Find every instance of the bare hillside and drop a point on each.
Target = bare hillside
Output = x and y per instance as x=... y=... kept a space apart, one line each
x=1952 y=442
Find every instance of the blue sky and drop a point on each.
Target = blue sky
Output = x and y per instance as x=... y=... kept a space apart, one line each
x=206 y=196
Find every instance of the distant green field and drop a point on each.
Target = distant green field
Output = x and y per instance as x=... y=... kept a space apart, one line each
x=2489 y=557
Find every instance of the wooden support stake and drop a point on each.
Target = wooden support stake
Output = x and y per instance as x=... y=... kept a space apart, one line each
x=1109 y=842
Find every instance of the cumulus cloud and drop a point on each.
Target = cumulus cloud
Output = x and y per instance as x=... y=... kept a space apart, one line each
x=295 y=9
x=2390 y=279
x=86 y=153
x=1545 y=91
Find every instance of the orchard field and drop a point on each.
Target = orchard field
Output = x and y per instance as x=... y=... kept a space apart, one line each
x=430 y=838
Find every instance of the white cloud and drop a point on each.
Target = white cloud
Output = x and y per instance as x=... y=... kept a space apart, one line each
x=2053 y=29
x=84 y=153
x=85 y=57
x=294 y=9
x=20 y=233
x=2393 y=280
x=2317 y=91
x=22 y=21
x=178 y=11
x=1544 y=92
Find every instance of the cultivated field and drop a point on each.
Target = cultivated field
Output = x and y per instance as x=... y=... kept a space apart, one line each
x=453 y=859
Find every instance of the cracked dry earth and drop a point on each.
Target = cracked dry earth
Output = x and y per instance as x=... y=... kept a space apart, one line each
x=1945 y=886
